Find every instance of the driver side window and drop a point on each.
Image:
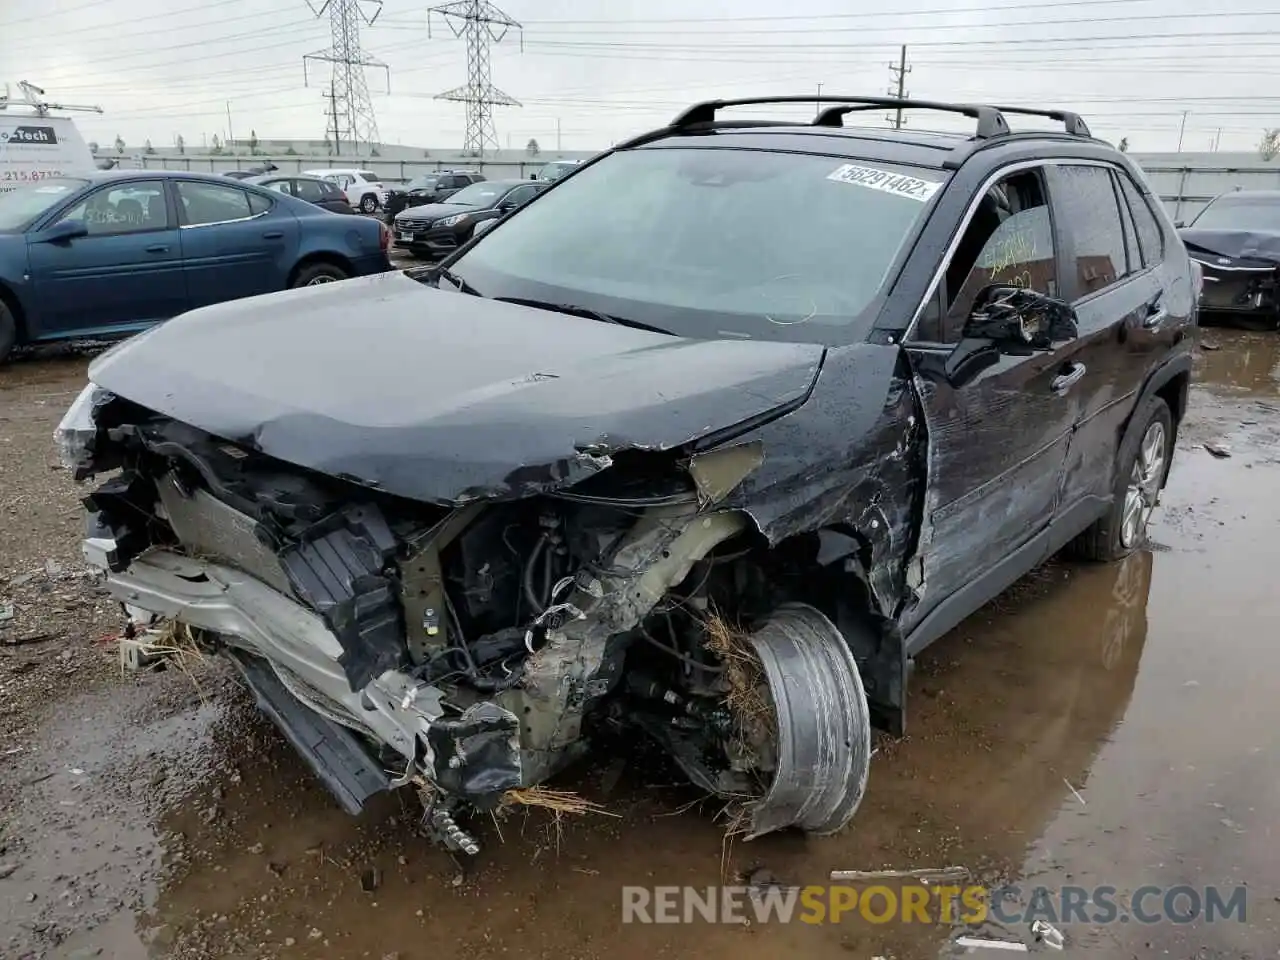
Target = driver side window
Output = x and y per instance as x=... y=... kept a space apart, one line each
x=1008 y=241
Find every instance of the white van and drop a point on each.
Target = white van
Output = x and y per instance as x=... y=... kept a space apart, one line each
x=35 y=145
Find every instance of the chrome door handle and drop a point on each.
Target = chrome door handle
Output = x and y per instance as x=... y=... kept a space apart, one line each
x=1066 y=380
x=1157 y=316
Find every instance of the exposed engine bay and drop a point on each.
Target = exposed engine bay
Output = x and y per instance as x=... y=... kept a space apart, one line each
x=478 y=648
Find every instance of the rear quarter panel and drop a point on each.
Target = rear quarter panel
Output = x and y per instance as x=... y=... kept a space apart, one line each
x=353 y=239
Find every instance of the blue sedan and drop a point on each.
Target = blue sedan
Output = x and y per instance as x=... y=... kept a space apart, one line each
x=114 y=252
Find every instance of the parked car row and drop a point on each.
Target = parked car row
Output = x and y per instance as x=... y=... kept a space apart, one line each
x=736 y=397
x=113 y=252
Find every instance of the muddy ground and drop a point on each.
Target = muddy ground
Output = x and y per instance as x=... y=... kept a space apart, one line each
x=1097 y=725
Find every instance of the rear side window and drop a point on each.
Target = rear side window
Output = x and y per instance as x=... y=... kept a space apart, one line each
x=1089 y=216
x=312 y=191
x=258 y=204
x=204 y=203
x=1150 y=236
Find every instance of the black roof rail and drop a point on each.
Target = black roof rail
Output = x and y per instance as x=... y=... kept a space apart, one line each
x=990 y=122
x=1073 y=122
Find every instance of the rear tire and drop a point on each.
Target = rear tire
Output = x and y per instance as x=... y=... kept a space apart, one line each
x=368 y=203
x=318 y=273
x=8 y=330
x=1142 y=465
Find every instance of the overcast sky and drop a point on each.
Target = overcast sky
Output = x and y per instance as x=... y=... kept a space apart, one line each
x=600 y=71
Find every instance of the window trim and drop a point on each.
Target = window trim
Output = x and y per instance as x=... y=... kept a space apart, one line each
x=177 y=197
x=169 y=214
x=1155 y=218
x=991 y=180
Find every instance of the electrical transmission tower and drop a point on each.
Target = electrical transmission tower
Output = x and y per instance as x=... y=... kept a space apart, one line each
x=482 y=24
x=350 y=108
x=899 y=71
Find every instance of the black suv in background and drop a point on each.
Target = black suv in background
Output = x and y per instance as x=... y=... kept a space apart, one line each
x=427 y=188
x=740 y=405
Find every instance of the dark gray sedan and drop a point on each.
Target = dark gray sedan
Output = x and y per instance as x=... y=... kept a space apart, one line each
x=323 y=193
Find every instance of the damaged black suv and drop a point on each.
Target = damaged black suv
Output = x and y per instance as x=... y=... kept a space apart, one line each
x=712 y=468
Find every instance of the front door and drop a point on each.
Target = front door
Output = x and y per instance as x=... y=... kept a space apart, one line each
x=127 y=270
x=998 y=444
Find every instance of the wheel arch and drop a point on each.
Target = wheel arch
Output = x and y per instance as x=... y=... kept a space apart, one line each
x=1171 y=382
x=10 y=298
x=317 y=257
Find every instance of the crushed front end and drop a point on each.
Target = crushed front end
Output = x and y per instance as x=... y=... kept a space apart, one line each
x=475 y=648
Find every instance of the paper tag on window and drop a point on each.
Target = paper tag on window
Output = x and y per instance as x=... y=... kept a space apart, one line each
x=886 y=181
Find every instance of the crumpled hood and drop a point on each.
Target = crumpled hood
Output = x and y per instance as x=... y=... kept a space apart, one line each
x=440 y=396
x=1235 y=244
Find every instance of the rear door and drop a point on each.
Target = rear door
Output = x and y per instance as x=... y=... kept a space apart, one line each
x=1115 y=298
x=126 y=270
x=235 y=242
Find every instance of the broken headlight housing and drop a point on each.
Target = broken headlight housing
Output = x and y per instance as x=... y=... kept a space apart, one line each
x=76 y=432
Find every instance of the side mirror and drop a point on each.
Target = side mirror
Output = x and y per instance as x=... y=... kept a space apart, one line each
x=1179 y=224
x=64 y=231
x=533 y=176
x=1019 y=321
x=1008 y=321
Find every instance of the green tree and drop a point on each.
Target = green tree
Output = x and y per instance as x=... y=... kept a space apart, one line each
x=532 y=148
x=216 y=145
x=291 y=152
x=253 y=142
x=148 y=148
x=119 y=144
x=180 y=143
x=93 y=147
x=1124 y=144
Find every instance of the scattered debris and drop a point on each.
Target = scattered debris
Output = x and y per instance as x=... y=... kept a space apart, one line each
x=23 y=580
x=1048 y=934
x=560 y=801
x=1209 y=345
x=1219 y=450
x=255 y=848
x=370 y=879
x=26 y=638
x=53 y=568
x=925 y=875
x=7 y=611
x=1074 y=792
x=7 y=870
x=982 y=942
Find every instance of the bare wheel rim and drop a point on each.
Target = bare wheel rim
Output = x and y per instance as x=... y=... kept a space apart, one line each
x=1144 y=485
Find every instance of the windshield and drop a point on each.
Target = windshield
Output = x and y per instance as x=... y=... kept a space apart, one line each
x=367 y=176
x=711 y=243
x=422 y=183
x=478 y=195
x=1240 y=213
x=22 y=205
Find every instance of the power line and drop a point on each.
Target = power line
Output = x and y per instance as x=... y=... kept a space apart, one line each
x=482 y=24
x=348 y=85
